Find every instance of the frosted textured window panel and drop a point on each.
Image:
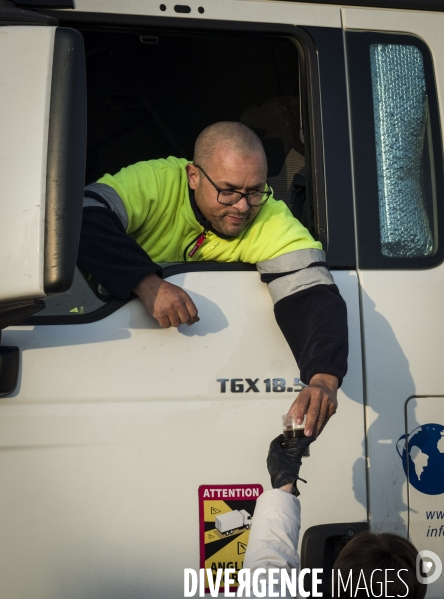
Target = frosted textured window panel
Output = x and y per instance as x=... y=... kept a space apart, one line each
x=400 y=114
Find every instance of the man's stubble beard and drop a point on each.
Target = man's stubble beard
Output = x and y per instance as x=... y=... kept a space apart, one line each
x=219 y=223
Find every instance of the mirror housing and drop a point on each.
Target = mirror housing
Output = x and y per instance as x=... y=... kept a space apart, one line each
x=42 y=165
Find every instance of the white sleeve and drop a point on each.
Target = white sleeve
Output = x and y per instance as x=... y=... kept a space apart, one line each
x=274 y=534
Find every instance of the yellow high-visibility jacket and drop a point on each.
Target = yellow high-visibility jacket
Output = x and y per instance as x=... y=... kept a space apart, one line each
x=162 y=221
x=146 y=214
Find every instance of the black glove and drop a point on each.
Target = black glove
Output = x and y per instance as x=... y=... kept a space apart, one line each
x=283 y=464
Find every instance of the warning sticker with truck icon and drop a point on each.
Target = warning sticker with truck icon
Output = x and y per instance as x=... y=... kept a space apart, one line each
x=225 y=516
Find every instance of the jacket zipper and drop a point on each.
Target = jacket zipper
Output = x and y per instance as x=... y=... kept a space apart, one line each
x=197 y=243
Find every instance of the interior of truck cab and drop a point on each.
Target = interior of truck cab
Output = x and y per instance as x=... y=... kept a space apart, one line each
x=151 y=92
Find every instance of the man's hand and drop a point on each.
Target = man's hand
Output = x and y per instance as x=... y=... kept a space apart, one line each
x=318 y=400
x=169 y=304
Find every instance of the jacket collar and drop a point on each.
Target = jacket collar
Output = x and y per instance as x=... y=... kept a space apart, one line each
x=201 y=219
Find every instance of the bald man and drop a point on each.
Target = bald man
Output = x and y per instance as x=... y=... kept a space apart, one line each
x=219 y=208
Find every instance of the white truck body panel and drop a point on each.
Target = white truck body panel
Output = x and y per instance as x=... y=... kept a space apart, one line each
x=234 y=10
x=426 y=512
x=83 y=434
x=403 y=330
x=25 y=95
x=99 y=403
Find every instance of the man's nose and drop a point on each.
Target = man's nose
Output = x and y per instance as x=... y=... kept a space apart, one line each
x=242 y=205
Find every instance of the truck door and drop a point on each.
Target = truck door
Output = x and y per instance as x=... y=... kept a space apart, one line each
x=116 y=423
x=396 y=78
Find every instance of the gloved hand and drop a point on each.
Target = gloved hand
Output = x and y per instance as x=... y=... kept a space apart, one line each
x=284 y=464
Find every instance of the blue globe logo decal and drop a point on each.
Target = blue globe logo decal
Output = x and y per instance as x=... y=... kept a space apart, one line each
x=422 y=454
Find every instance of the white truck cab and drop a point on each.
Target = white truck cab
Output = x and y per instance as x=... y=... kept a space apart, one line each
x=108 y=423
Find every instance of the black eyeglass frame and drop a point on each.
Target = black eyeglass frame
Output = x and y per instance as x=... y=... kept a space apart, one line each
x=241 y=195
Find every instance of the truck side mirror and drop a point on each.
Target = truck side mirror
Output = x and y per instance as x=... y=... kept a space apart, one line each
x=42 y=164
x=42 y=168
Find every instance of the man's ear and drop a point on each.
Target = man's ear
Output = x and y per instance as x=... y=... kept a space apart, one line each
x=192 y=175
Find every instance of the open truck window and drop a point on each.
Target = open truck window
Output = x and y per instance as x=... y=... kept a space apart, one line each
x=151 y=92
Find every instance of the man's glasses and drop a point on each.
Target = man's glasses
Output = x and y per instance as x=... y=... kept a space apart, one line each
x=231 y=196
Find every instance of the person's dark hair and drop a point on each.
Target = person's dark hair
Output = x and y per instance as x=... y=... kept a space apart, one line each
x=377 y=558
